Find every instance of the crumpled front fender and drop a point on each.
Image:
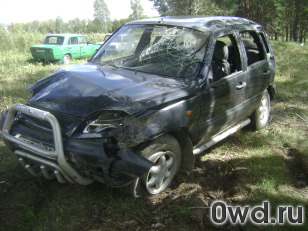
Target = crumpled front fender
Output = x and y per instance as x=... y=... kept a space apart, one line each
x=130 y=163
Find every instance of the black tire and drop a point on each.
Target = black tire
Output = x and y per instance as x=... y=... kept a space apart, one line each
x=261 y=115
x=66 y=59
x=165 y=152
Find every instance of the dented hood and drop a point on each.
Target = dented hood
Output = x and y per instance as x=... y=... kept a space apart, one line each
x=82 y=89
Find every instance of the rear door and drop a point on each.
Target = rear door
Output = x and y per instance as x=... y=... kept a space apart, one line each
x=84 y=47
x=74 y=47
x=256 y=67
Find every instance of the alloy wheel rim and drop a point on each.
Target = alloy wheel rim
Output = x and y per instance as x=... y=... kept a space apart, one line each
x=66 y=60
x=264 y=110
x=160 y=175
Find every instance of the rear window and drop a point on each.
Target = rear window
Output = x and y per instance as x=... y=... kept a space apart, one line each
x=55 y=40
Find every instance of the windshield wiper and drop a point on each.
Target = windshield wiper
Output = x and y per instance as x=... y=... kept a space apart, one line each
x=108 y=64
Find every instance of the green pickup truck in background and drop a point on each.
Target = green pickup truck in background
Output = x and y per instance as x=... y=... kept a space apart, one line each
x=63 y=48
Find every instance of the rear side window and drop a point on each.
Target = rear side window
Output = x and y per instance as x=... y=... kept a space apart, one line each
x=265 y=42
x=253 y=47
x=73 y=41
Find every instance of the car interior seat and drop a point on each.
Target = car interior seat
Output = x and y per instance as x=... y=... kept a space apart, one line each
x=220 y=64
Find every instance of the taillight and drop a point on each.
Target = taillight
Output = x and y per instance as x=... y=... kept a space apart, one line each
x=49 y=51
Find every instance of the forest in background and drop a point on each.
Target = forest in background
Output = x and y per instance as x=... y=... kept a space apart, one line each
x=284 y=20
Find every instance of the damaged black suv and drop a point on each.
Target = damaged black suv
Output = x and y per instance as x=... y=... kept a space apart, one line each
x=140 y=110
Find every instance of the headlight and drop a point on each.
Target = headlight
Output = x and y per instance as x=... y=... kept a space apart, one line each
x=106 y=122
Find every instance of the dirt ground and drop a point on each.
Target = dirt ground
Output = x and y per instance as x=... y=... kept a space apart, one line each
x=29 y=203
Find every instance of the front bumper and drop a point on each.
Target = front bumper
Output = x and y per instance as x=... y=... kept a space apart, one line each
x=69 y=160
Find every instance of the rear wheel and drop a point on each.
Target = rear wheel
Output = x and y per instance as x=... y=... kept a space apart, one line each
x=165 y=153
x=66 y=59
x=261 y=115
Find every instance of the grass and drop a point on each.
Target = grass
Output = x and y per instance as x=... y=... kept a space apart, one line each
x=18 y=70
x=246 y=168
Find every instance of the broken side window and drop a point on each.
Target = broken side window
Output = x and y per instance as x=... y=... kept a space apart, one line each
x=226 y=57
x=253 y=47
x=265 y=42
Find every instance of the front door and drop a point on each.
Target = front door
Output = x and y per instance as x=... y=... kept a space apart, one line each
x=222 y=98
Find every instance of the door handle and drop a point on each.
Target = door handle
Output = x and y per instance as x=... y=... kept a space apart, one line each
x=241 y=85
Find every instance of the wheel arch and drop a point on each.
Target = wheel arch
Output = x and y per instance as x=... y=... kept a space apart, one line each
x=70 y=55
x=62 y=59
x=271 y=91
x=183 y=138
x=188 y=158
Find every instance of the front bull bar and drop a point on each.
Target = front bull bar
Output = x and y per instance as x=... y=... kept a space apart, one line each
x=61 y=166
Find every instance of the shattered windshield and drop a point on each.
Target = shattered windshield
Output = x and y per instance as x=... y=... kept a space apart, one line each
x=162 y=50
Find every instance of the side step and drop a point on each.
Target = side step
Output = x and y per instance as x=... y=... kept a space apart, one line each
x=200 y=149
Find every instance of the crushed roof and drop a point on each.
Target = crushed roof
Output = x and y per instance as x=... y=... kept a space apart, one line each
x=202 y=23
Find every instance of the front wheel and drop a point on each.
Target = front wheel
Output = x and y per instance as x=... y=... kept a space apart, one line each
x=165 y=153
x=261 y=115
